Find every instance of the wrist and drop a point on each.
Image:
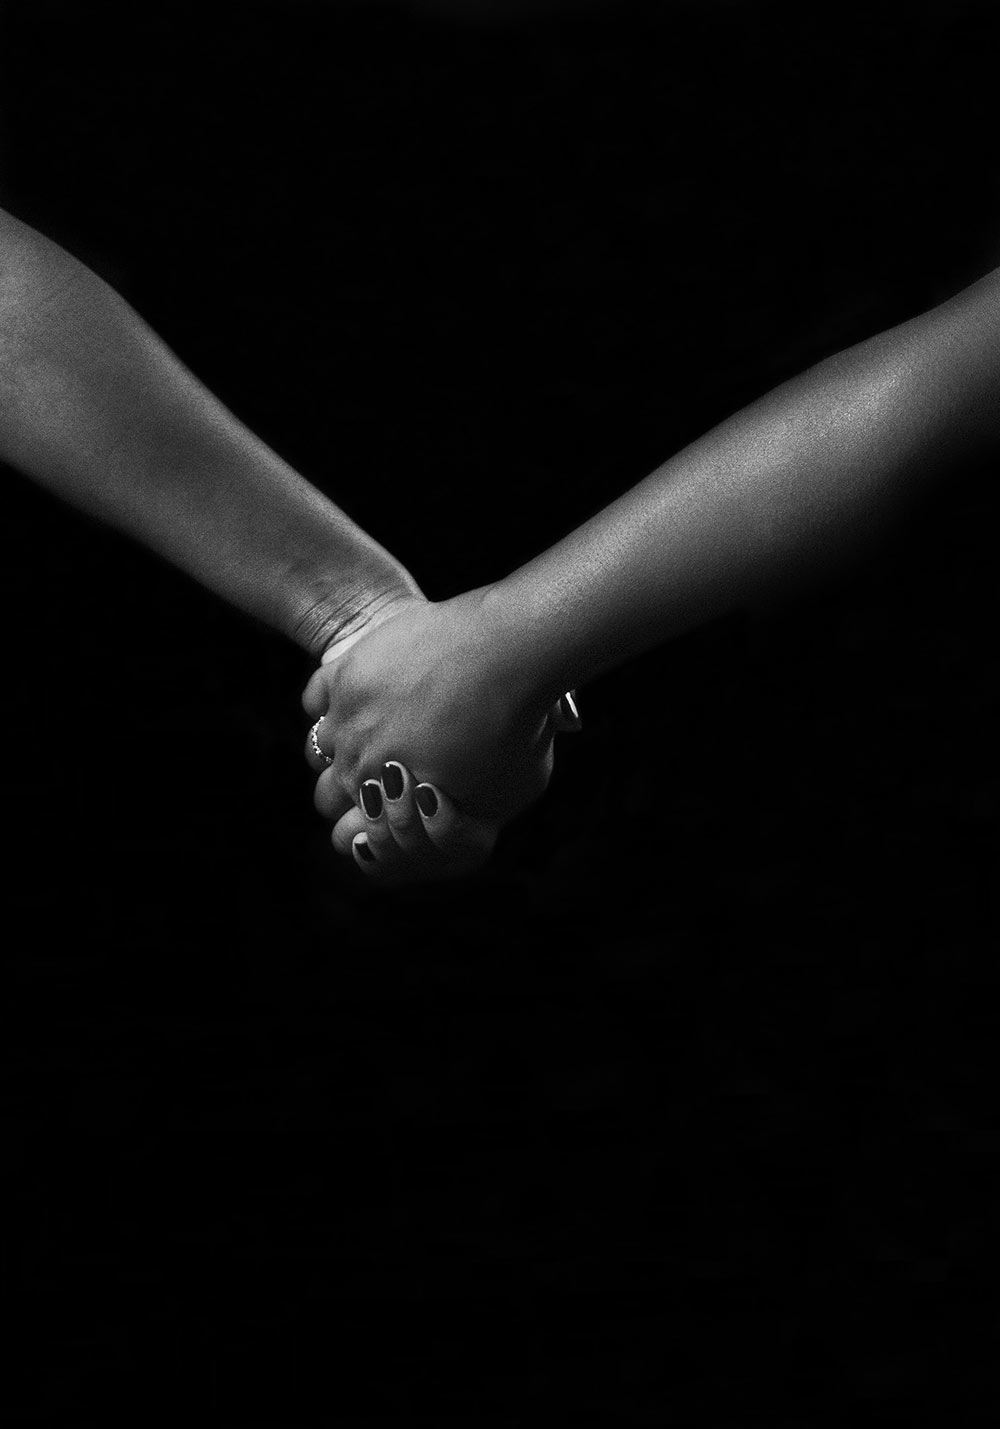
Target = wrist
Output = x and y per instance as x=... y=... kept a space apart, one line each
x=513 y=635
x=334 y=614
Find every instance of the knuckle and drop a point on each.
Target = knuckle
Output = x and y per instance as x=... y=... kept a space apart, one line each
x=403 y=821
x=328 y=795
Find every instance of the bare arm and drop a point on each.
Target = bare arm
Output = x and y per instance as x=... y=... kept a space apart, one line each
x=802 y=477
x=809 y=473
x=94 y=406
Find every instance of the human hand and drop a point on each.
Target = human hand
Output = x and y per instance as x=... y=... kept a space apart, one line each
x=401 y=831
x=431 y=689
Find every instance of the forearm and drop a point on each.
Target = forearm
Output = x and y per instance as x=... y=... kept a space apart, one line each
x=94 y=406
x=804 y=476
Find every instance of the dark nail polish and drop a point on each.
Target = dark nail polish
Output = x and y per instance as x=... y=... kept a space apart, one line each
x=568 y=705
x=427 y=800
x=392 y=781
x=365 y=853
x=371 y=798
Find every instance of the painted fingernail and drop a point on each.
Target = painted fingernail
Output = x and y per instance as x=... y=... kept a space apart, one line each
x=363 y=851
x=392 y=781
x=371 y=798
x=427 y=800
x=568 y=705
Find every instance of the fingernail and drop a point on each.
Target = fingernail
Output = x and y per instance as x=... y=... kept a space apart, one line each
x=392 y=781
x=363 y=851
x=568 y=705
x=427 y=800
x=371 y=798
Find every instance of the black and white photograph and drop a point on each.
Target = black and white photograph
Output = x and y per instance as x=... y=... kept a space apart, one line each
x=500 y=727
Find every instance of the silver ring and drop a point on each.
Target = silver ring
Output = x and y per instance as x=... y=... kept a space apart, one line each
x=315 y=741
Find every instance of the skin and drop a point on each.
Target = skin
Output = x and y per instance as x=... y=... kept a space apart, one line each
x=461 y=692
x=95 y=407
x=805 y=477
x=499 y=768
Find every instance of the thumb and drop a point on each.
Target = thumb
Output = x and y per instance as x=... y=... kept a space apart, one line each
x=564 y=715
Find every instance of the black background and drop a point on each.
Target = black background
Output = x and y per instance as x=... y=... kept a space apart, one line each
x=683 y=1112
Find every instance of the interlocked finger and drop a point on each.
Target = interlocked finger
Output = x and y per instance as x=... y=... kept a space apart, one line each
x=377 y=827
x=330 y=797
x=401 y=830
x=401 y=810
x=458 y=840
x=364 y=833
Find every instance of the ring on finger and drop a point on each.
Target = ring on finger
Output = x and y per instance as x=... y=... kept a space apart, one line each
x=315 y=741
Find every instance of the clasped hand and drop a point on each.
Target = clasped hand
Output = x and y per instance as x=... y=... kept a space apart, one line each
x=428 y=737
